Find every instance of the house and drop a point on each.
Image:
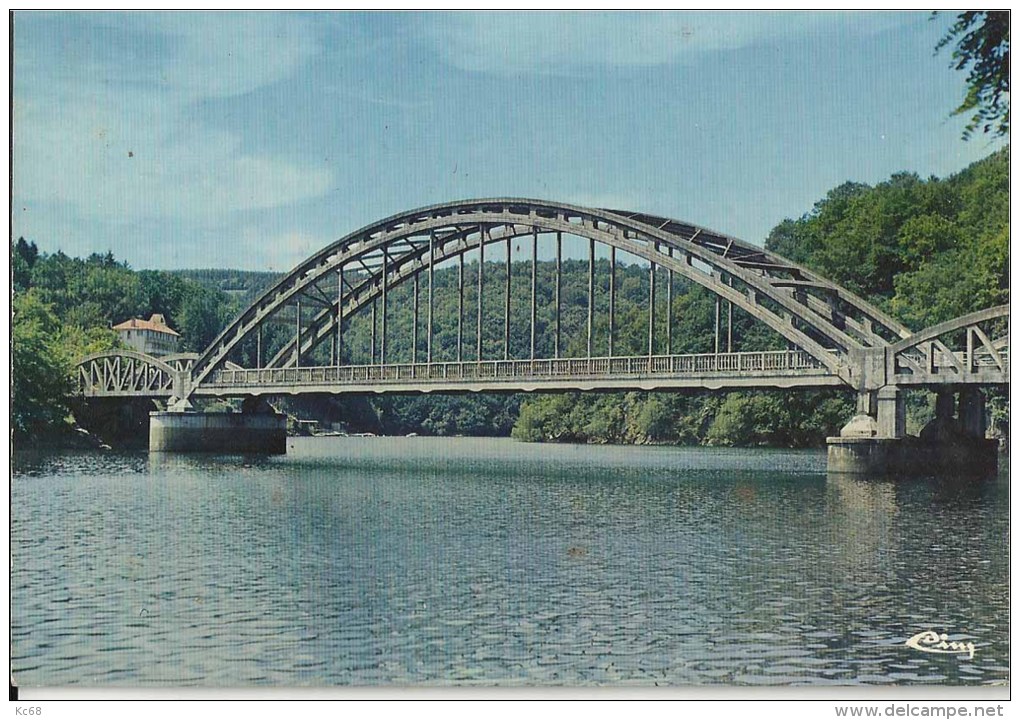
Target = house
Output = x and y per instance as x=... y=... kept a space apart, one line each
x=152 y=336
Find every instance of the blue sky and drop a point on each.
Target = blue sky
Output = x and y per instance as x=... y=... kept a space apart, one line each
x=251 y=140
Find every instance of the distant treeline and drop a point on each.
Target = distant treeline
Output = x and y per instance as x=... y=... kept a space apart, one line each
x=244 y=285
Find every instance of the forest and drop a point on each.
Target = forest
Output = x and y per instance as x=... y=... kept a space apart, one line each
x=924 y=250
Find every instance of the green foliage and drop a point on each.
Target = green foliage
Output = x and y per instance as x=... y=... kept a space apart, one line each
x=23 y=257
x=575 y=417
x=99 y=292
x=982 y=48
x=775 y=418
x=163 y=292
x=925 y=250
x=541 y=420
x=201 y=315
x=40 y=367
x=750 y=418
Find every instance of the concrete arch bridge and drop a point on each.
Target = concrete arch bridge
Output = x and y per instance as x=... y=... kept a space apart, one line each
x=466 y=269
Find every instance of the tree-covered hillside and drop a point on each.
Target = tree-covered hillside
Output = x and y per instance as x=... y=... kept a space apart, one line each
x=240 y=285
x=924 y=250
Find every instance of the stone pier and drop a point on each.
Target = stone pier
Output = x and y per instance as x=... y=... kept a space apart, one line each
x=875 y=442
x=263 y=433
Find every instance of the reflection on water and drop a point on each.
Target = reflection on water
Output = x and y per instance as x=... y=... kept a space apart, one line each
x=355 y=561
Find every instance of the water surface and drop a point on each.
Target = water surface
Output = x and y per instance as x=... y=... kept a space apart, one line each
x=425 y=561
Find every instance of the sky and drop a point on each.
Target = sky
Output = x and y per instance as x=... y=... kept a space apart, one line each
x=251 y=140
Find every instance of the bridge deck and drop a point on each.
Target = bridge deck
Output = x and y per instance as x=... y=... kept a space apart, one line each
x=727 y=370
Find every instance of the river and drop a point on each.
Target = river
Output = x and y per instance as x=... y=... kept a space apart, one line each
x=430 y=561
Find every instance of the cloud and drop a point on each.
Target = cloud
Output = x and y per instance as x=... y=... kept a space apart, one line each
x=508 y=43
x=281 y=252
x=107 y=129
x=223 y=54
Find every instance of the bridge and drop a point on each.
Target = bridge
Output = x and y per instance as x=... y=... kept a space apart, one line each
x=295 y=337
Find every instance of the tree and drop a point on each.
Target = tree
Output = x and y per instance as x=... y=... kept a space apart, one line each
x=161 y=293
x=40 y=377
x=201 y=317
x=982 y=47
x=23 y=257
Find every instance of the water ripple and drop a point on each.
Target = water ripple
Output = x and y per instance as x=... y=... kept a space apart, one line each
x=464 y=562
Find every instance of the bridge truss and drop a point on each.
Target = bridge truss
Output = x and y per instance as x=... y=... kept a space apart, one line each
x=833 y=336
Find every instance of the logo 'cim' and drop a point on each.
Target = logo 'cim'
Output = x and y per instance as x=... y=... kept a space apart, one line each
x=930 y=641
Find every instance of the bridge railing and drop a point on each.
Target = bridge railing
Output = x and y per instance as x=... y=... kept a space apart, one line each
x=658 y=365
x=969 y=349
x=937 y=359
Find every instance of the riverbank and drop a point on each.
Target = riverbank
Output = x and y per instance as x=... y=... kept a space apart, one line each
x=68 y=437
x=74 y=437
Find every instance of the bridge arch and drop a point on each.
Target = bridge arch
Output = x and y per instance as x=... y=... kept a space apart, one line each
x=970 y=349
x=123 y=372
x=812 y=313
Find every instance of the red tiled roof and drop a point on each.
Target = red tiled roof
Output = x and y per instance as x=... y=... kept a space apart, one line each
x=154 y=323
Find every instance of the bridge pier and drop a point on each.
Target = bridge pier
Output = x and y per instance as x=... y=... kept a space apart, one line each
x=891 y=411
x=973 y=418
x=875 y=442
x=257 y=429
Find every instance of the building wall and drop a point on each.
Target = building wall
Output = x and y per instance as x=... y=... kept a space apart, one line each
x=149 y=341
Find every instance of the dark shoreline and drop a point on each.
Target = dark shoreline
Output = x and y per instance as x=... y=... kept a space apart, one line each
x=69 y=438
x=78 y=438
